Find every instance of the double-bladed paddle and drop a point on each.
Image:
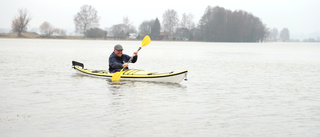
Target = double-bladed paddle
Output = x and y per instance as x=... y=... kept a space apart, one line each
x=116 y=76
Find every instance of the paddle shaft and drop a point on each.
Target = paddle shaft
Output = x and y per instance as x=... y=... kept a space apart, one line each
x=130 y=60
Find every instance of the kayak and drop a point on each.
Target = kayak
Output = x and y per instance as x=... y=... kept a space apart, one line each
x=134 y=74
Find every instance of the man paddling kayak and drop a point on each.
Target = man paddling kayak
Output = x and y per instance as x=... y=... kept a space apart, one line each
x=117 y=60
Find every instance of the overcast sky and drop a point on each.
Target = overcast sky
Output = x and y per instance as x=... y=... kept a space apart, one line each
x=301 y=17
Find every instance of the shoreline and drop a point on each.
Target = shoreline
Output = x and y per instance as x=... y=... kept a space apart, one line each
x=28 y=35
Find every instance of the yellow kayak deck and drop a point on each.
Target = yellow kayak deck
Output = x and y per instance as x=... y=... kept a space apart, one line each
x=131 y=73
x=134 y=74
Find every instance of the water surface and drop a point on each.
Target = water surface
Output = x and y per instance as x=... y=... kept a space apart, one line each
x=234 y=89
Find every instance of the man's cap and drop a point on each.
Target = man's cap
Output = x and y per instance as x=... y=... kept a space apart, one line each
x=118 y=47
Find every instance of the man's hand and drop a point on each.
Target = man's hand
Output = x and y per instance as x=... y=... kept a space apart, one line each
x=135 y=53
x=125 y=65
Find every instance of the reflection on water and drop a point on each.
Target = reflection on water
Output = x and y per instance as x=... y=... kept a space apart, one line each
x=122 y=85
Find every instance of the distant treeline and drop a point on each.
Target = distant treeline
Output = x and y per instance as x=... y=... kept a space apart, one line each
x=221 y=25
x=216 y=25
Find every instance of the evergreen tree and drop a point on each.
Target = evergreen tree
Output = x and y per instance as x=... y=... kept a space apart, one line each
x=155 y=31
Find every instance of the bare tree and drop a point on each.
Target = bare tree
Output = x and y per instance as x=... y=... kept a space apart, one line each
x=46 y=29
x=185 y=27
x=128 y=27
x=170 y=21
x=59 y=32
x=20 y=22
x=106 y=31
x=119 y=31
x=285 y=35
x=187 y=21
x=95 y=33
x=273 y=34
x=126 y=21
x=146 y=27
x=86 y=19
x=182 y=33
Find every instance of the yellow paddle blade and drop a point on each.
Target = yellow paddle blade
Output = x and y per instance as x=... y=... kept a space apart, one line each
x=146 y=40
x=116 y=76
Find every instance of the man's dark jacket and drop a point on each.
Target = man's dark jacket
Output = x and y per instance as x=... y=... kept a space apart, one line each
x=116 y=62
